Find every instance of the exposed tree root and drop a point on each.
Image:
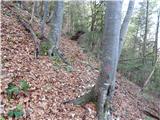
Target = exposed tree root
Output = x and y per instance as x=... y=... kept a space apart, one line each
x=104 y=111
x=54 y=51
x=151 y=115
x=43 y=38
x=82 y=100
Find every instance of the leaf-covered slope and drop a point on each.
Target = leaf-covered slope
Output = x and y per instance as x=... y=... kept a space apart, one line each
x=52 y=84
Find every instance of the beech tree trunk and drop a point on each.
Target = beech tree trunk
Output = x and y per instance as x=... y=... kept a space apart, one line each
x=124 y=26
x=50 y=17
x=145 y=35
x=123 y=32
x=36 y=9
x=110 y=47
x=113 y=34
x=33 y=11
x=156 y=38
x=156 y=43
x=56 y=27
x=102 y=92
x=44 y=18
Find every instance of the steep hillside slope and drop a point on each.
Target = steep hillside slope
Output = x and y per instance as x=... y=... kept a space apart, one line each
x=51 y=85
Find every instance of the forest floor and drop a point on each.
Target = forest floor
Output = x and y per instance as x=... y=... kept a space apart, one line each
x=52 y=83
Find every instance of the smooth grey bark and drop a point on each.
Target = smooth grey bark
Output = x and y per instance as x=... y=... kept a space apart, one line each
x=50 y=17
x=102 y=91
x=44 y=18
x=36 y=8
x=123 y=32
x=110 y=48
x=56 y=26
x=145 y=34
x=124 y=26
x=156 y=43
x=156 y=38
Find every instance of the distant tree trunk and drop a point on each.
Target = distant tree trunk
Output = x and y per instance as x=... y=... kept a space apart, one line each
x=50 y=17
x=123 y=32
x=33 y=10
x=18 y=3
x=56 y=27
x=36 y=9
x=102 y=91
x=95 y=11
x=41 y=10
x=102 y=22
x=24 y=5
x=156 y=38
x=93 y=15
x=156 y=44
x=145 y=35
x=44 y=18
x=135 y=40
x=124 y=26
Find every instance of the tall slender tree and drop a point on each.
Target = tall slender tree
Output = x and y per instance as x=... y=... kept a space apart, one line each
x=56 y=27
x=110 y=48
x=124 y=26
x=101 y=92
x=33 y=10
x=123 y=32
x=36 y=8
x=156 y=38
x=145 y=34
x=44 y=18
x=156 y=44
